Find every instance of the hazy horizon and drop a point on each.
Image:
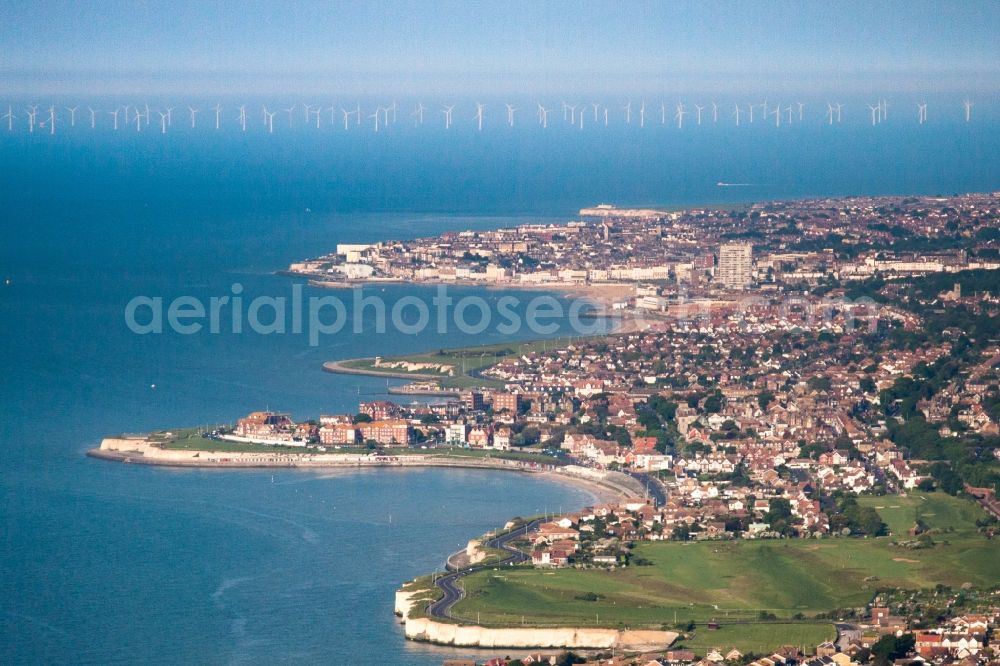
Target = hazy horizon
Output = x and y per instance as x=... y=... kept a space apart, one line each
x=408 y=48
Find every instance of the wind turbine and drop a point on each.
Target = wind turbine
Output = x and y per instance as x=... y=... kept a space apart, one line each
x=138 y=121
x=357 y=113
x=736 y=112
x=777 y=116
x=163 y=122
x=543 y=116
x=32 y=113
x=114 y=114
x=875 y=110
x=269 y=119
x=750 y=109
x=447 y=115
x=318 y=111
x=968 y=109
x=479 y=115
x=581 y=118
x=510 y=114
x=193 y=111
x=147 y=115
x=72 y=115
x=52 y=120
x=290 y=110
x=628 y=113
x=699 y=109
x=885 y=109
x=377 y=115
x=715 y=112
x=663 y=113
x=9 y=117
x=243 y=117
x=393 y=109
x=801 y=106
x=789 y=110
x=829 y=113
x=642 y=114
x=605 y=116
x=595 y=105
x=306 y=108
x=680 y=115
x=839 y=107
x=218 y=111
x=170 y=116
x=93 y=117
x=419 y=113
x=333 y=111
x=347 y=116
x=921 y=112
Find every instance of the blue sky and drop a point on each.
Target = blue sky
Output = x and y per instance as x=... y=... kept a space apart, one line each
x=497 y=47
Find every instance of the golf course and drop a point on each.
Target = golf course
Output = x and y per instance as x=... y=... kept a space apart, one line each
x=733 y=583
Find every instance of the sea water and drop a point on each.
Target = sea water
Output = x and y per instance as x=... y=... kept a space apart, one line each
x=109 y=563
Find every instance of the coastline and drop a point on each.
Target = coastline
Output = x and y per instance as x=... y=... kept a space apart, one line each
x=604 y=486
x=338 y=367
x=411 y=598
x=623 y=324
x=603 y=293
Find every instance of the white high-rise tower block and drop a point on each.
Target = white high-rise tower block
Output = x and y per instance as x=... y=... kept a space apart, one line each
x=735 y=265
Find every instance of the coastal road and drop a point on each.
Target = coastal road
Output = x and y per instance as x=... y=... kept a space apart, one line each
x=846 y=633
x=652 y=485
x=448 y=584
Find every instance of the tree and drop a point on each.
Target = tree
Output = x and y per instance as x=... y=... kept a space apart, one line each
x=765 y=398
x=812 y=450
x=860 y=520
x=890 y=647
x=819 y=383
x=664 y=408
x=713 y=404
x=779 y=515
x=649 y=420
x=362 y=418
x=569 y=658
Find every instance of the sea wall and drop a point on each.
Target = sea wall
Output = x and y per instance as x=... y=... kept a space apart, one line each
x=404 y=603
x=141 y=450
x=140 y=447
x=458 y=635
x=621 y=484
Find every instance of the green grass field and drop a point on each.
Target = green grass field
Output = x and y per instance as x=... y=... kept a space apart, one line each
x=757 y=638
x=466 y=360
x=188 y=439
x=458 y=452
x=738 y=579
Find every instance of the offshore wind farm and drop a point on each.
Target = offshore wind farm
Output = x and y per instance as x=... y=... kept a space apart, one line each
x=379 y=116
